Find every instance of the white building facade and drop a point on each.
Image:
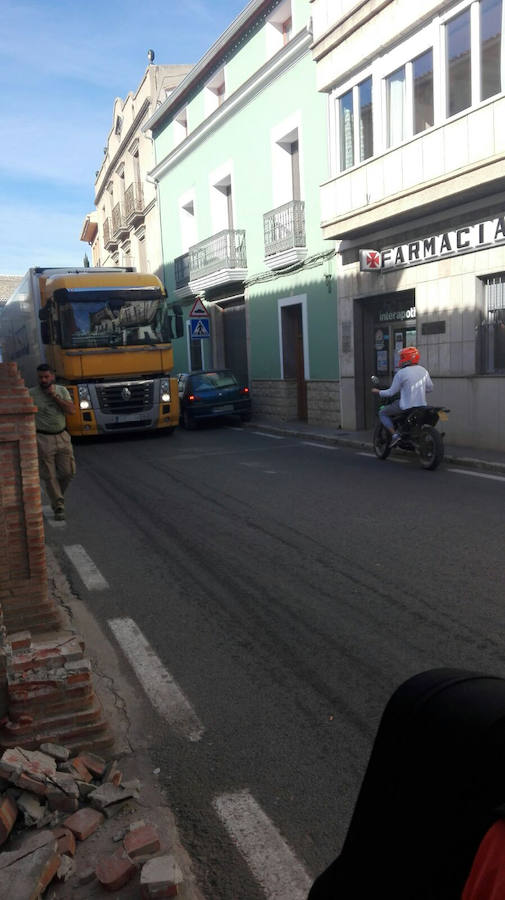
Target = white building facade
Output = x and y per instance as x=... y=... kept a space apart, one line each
x=416 y=199
x=125 y=229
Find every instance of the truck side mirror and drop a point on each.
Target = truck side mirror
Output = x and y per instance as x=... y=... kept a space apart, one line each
x=45 y=333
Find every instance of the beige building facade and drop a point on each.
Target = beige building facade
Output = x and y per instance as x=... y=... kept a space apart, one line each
x=124 y=229
x=415 y=200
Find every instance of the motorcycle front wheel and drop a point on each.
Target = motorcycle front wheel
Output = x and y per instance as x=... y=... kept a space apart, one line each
x=381 y=441
x=431 y=448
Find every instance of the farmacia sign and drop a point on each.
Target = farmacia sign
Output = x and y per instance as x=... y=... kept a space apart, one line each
x=449 y=243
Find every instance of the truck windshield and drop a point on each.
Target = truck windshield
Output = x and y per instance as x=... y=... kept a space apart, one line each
x=111 y=317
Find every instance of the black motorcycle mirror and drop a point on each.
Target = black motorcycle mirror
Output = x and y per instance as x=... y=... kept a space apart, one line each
x=375 y=380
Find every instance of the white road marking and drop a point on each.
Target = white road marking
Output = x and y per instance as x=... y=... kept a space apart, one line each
x=364 y=453
x=322 y=446
x=49 y=516
x=92 y=578
x=163 y=692
x=271 y=860
x=477 y=474
x=275 y=437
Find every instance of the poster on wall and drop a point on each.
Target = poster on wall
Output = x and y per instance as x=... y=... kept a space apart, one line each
x=382 y=360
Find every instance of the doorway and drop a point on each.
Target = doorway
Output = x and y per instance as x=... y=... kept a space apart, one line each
x=387 y=325
x=293 y=353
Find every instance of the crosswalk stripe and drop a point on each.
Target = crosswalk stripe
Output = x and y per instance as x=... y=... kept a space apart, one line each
x=90 y=575
x=161 y=689
x=271 y=860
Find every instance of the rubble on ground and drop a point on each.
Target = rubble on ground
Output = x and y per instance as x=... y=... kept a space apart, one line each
x=50 y=802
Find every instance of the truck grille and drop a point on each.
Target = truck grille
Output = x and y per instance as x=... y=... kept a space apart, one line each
x=125 y=397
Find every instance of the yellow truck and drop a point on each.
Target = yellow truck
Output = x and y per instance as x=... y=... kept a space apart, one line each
x=107 y=334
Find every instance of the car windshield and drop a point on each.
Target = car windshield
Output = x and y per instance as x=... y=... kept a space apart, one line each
x=113 y=318
x=212 y=380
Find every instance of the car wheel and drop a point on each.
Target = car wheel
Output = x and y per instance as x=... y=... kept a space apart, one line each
x=188 y=421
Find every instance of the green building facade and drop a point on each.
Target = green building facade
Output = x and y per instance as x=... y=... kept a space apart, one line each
x=241 y=151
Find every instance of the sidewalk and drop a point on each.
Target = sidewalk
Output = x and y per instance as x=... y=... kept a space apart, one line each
x=466 y=457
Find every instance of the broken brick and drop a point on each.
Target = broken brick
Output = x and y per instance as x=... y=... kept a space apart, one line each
x=8 y=815
x=77 y=768
x=65 y=839
x=94 y=764
x=160 y=877
x=59 y=753
x=141 y=843
x=84 y=822
x=113 y=872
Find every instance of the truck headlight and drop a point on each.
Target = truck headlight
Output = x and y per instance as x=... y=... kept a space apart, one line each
x=84 y=397
x=165 y=390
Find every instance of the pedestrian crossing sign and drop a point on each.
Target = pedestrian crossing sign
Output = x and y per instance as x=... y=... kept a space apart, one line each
x=200 y=328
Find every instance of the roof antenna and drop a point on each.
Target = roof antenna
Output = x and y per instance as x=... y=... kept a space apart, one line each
x=150 y=56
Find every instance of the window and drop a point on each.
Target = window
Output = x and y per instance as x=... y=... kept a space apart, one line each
x=493 y=326
x=422 y=75
x=459 y=73
x=490 y=47
x=181 y=125
x=346 y=122
x=279 y=27
x=215 y=92
x=395 y=107
x=365 y=119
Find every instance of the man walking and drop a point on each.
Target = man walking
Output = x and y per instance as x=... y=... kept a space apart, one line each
x=56 y=457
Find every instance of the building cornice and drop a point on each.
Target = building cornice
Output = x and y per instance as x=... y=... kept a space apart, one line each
x=122 y=147
x=262 y=78
x=207 y=63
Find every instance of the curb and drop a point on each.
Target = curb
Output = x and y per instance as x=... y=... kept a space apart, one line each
x=465 y=462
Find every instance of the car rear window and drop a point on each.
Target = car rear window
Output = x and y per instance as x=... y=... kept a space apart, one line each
x=213 y=380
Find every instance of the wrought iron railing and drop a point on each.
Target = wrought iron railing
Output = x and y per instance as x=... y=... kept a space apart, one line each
x=133 y=200
x=118 y=220
x=107 y=233
x=224 y=250
x=284 y=228
x=181 y=270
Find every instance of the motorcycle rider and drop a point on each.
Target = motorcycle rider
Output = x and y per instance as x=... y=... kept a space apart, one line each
x=412 y=382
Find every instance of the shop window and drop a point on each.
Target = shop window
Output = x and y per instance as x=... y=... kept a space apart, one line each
x=493 y=326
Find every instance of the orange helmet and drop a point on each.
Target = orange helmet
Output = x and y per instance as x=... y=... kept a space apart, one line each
x=409 y=356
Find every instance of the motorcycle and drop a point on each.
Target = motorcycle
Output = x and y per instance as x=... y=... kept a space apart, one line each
x=417 y=427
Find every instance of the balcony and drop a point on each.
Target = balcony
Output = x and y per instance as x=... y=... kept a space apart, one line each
x=284 y=235
x=219 y=260
x=134 y=204
x=108 y=240
x=119 y=226
x=181 y=271
x=453 y=163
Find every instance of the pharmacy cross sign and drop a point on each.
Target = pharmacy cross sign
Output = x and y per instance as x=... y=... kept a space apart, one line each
x=372 y=259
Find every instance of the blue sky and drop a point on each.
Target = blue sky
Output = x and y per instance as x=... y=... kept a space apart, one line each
x=62 y=66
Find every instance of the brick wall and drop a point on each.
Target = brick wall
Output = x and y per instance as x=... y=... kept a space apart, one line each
x=23 y=575
x=323 y=403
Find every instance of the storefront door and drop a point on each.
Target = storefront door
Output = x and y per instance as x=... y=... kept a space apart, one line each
x=389 y=325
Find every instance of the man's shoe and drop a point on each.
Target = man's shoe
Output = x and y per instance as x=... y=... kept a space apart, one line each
x=395 y=438
x=59 y=513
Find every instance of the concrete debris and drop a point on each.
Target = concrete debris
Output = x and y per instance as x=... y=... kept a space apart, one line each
x=31 y=808
x=26 y=872
x=60 y=754
x=66 y=868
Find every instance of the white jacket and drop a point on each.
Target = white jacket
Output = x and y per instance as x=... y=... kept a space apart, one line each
x=412 y=383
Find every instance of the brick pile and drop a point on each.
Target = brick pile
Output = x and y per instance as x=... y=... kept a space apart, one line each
x=50 y=802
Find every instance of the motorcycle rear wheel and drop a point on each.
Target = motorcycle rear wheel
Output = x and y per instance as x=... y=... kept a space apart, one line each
x=381 y=441
x=431 y=448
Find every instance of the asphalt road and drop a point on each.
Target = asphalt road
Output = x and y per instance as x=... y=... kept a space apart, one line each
x=288 y=589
